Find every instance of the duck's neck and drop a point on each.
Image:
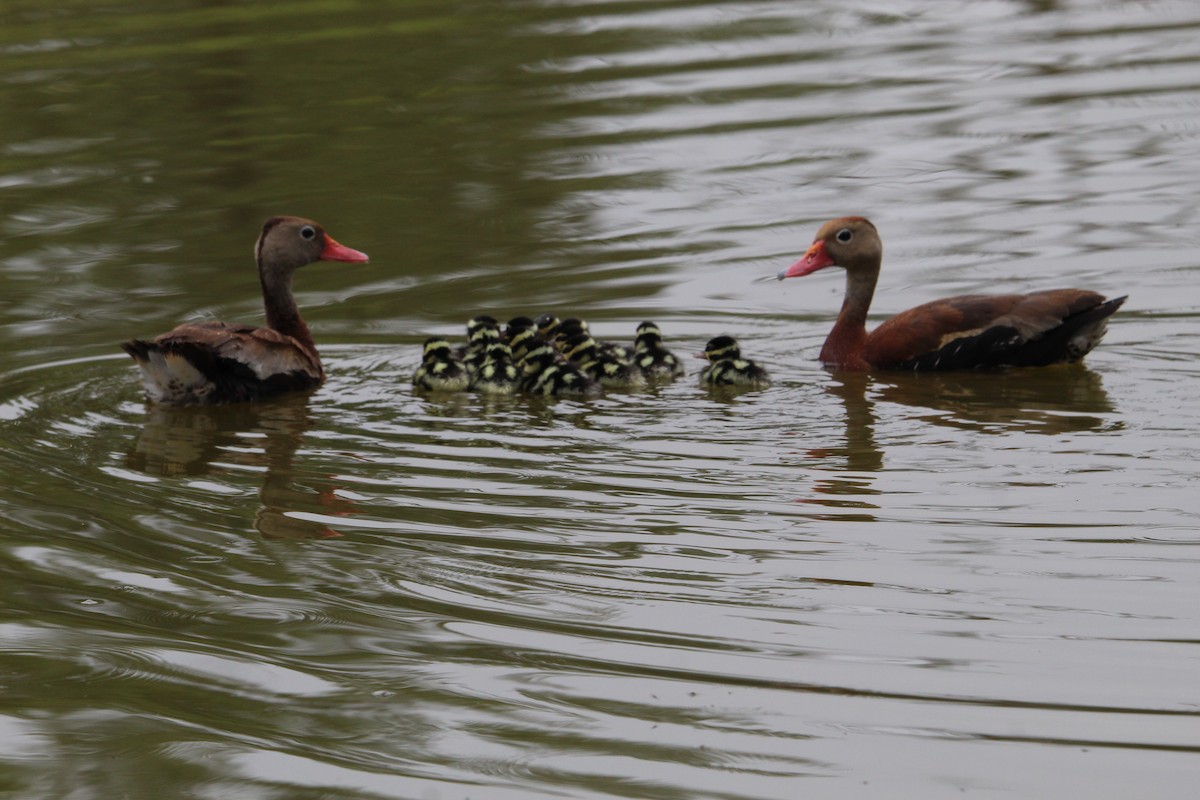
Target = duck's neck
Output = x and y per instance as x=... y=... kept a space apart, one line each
x=844 y=345
x=283 y=315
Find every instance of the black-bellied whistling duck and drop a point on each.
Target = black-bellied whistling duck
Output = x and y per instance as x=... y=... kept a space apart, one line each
x=652 y=357
x=440 y=371
x=203 y=363
x=727 y=367
x=964 y=332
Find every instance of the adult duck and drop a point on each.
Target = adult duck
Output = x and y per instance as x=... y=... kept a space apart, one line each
x=205 y=363
x=963 y=332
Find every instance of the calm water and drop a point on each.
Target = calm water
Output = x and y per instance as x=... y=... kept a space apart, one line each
x=886 y=586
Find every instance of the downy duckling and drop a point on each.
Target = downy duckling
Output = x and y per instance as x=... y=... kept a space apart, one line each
x=726 y=366
x=546 y=373
x=439 y=371
x=650 y=356
x=572 y=327
x=482 y=332
x=496 y=374
x=603 y=369
x=547 y=325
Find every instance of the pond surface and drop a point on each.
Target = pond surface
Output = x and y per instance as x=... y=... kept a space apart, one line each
x=841 y=586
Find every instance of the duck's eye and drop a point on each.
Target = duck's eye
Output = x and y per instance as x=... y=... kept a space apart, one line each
x=308 y=232
x=845 y=235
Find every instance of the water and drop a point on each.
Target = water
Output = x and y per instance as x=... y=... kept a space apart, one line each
x=844 y=586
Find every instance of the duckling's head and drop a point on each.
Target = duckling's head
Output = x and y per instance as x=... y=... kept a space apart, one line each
x=482 y=328
x=546 y=325
x=436 y=349
x=516 y=325
x=571 y=326
x=648 y=335
x=720 y=349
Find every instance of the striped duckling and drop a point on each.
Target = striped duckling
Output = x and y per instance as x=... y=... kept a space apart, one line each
x=440 y=371
x=496 y=373
x=548 y=374
x=482 y=330
x=726 y=367
x=605 y=370
x=572 y=327
x=521 y=336
x=547 y=326
x=650 y=356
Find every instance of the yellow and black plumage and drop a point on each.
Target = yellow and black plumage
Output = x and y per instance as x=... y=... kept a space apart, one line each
x=651 y=357
x=547 y=373
x=726 y=367
x=605 y=370
x=482 y=332
x=496 y=373
x=439 y=370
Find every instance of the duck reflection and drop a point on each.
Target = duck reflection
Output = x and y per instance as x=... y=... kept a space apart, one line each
x=1046 y=400
x=262 y=437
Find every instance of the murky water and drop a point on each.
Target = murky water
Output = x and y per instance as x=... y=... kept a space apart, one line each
x=901 y=586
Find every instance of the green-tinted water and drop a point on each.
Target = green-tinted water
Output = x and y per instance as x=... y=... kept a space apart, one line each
x=840 y=586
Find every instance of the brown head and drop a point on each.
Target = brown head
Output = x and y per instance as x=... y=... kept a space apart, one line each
x=288 y=243
x=851 y=243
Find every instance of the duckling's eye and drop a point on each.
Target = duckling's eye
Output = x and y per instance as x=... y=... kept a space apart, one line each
x=308 y=232
x=845 y=235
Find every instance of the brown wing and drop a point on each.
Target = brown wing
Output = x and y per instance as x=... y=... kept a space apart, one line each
x=991 y=330
x=264 y=352
x=220 y=362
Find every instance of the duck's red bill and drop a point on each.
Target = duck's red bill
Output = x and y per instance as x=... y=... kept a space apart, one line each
x=339 y=252
x=816 y=258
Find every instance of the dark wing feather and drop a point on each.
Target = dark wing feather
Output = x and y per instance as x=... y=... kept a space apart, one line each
x=973 y=331
x=220 y=362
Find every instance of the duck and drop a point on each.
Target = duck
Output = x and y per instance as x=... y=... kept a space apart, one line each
x=521 y=336
x=546 y=373
x=546 y=324
x=727 y=367
x=482 y=332
x=440 y=371
x=496 y=374
x=964 y=332
x=573 y=326
x=213 y=362
x=605 y=370
x=650 y=356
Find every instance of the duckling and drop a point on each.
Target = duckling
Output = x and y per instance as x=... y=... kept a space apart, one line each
x=546 y=373
x=516 y=325
x=496 y=374
x=546 y=324
x=572 y=327
x=726 y=366
x=439 y=371
x=603 y=369
x=482 y=332
x=650 y=356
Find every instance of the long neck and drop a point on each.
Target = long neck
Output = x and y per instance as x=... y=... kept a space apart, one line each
x=282 y=313
x=843 y=347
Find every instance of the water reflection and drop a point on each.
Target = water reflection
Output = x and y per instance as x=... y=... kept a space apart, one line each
x=1045 y=400
x=264 y=437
